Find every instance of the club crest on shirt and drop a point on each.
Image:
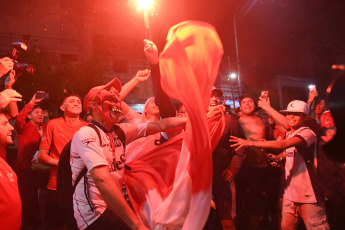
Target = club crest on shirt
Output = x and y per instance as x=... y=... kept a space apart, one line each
x=117 y=142
x=87 y=141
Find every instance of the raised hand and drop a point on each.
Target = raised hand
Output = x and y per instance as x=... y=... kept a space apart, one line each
x=34 y=100
x=151 y=51
x=143 y=75
x=264 y=103
x=311 y=96
x=10 y=79
x=7 y=96
x=6 y=64
x=216 y=110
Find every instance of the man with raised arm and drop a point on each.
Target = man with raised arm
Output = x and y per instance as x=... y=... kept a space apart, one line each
x=29 y=137
x=302 y=194
x=100 y=200
x=253 y=180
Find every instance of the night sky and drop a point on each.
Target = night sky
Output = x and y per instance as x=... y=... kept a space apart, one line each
x=301 y=38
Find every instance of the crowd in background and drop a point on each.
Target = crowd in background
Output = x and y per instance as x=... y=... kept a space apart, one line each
x=269 y=167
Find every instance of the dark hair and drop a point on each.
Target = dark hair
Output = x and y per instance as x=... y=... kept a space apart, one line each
x=71 y=95
x=36 y=107
x=243 y=96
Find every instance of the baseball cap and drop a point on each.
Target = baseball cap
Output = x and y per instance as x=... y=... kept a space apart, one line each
x=218 y=91
x=297 y=106
x=93 y=92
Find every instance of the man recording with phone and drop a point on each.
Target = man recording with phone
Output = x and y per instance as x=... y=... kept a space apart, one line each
x=29 y=137
x=8 y=97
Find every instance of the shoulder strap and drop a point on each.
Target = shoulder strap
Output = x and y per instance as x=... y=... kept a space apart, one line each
x=121 y=134
x=84 y=171
x=98 y=133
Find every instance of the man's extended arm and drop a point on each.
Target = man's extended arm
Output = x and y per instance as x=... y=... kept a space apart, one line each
x=280 y=145
x=141 y=75
x=278 y=117
x=166 y=124
x=20 y=121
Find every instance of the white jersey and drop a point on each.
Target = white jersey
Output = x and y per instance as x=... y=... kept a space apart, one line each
x=299 y=186
x=86 y=151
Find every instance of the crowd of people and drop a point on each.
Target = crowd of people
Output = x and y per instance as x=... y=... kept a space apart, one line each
x=180 y=164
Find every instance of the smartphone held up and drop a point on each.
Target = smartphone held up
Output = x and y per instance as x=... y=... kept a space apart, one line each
x=40 y=95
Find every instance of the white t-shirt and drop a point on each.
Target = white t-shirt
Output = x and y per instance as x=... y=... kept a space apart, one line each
x=86 y=151
x=298 y=187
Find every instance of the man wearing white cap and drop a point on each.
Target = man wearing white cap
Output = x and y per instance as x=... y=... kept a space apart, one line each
x=302 y=197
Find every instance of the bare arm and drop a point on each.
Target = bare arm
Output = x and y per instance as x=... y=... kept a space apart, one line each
x=45 y=158
x=12 y=106
x=142 y=75
x=6 y=64
x=113 y=197
x=311 y=96
x=7 y=96
x=166 y=124
x=280 y=145
x=278 y=117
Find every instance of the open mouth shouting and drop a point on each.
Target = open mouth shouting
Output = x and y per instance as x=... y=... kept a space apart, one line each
x=114 y=113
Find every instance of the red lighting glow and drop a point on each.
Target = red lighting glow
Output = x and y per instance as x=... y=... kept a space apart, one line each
x=144 y=4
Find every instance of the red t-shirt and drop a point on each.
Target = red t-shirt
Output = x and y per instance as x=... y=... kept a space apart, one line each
x=28 y=138
x=56 y=136
x=10 y=203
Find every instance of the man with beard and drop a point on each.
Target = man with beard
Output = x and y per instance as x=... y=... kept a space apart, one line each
x=10 y=205
x=100 y=200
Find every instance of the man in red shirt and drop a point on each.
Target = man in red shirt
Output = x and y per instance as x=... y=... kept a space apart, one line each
x=10 y=205
x=29 y=137
x=58 y=133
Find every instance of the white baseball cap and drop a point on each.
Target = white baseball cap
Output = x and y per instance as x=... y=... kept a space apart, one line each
x=297 y=106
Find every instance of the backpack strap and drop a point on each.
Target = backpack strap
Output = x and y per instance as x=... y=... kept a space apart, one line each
x=121 y=134
x=98 y=133
x=84 y=171
x=81 y=174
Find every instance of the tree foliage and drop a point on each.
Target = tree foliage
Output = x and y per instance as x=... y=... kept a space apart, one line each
x=66 y=78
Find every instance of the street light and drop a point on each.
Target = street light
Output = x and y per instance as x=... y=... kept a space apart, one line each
x=233 y=76
x=146 y=5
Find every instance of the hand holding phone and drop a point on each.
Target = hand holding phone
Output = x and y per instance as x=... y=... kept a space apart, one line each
x=264 y=94
x=312 y=88
x=42 y=94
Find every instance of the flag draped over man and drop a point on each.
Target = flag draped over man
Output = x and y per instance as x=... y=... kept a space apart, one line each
x=171 y=186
